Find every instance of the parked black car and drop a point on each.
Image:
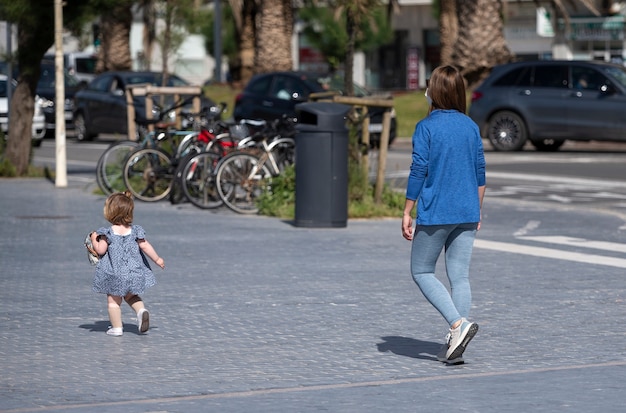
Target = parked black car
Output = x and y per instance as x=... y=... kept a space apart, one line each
x=46 y=90
x=101 y=107
x=271 y=95
x=548 y=102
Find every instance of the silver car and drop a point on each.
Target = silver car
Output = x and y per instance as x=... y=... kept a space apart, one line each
x=38 y=129
x=548 y=102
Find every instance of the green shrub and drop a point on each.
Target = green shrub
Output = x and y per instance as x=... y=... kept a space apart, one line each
x=280 y=200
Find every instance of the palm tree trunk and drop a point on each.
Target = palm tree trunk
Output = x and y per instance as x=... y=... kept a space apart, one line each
x=149 y=32
x=114 y=53
x=480 y=43
x=448 y=30
x=247 y=41
x=273 y=41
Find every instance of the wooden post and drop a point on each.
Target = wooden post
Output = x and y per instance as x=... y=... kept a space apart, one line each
x=382 y=156
x=365 y=141
x=130 y=115
x=148 y=90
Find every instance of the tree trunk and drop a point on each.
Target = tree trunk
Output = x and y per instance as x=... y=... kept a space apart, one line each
x=20 y=128
x=448 y=30
x=480 y=43
x=32 y=45
x=273 y=41
x=247 y=41
x=349 y=64
x=149 y=33
x=167 y=41
x=114 y=53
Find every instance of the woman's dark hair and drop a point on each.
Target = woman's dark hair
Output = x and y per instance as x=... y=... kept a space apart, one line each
x=447 y=89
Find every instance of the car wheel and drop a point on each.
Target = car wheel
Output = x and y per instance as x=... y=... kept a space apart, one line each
x=547 y=145
x=80 y=128
x=506 y=131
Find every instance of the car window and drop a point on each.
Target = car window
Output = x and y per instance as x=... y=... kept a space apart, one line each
x=85 y=64
x=287 y=88
x=47 y=78
x=553 y=76
x=260 y=86
x=516 y=77
x=586 y=78
x=117 y=84
x=100 y=84
x=174 y=80
x=618 y=74
x=3 y=88
x=141 y=78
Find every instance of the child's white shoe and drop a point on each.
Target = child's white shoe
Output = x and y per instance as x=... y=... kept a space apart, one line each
x=143 y=320
x=115 y=331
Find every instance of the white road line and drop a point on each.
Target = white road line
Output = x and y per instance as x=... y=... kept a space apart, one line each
x=578 y=242
x=69 y=162
x=595 y=183
x=550 y=253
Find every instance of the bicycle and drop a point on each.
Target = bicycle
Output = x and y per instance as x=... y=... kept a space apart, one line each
x=109 y=169
x=196 y=174
x=149 y=172
x=242 y=176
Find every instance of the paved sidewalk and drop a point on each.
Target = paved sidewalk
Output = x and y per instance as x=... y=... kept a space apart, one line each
x=253 y=314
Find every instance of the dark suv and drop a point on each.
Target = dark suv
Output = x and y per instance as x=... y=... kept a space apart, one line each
x=548 y=102
x=271 y=95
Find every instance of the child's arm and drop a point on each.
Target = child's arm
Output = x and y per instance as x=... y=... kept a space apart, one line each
x=99 y=242
x=147 y=249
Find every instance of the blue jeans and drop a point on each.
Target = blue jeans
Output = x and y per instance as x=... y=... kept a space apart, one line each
x=458 y=240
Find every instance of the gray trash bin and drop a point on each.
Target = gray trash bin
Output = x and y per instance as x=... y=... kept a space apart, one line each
x=321 y=165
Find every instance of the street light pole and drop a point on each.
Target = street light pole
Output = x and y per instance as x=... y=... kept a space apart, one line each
x=61 y=155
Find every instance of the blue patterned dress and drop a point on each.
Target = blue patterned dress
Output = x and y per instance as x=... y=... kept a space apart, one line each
x=124 y=268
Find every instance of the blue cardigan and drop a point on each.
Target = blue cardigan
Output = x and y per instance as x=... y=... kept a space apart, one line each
x=447 y=169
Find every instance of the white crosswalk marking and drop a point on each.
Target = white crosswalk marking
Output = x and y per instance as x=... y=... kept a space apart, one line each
x=550 y=253
x=578 y=242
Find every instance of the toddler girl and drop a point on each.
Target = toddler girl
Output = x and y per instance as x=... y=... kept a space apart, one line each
x=123 y=271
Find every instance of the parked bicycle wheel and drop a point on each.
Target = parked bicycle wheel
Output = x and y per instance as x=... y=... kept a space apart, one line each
x=197 y=178
x=241 y=178
x=110 y=167
x=148 y=174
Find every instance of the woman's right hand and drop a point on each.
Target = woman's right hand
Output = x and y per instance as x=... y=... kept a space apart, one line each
x=407 y=227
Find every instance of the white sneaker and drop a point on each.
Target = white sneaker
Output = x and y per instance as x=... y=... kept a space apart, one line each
x=117 y=331
x=143 y=320
x=441 y=356
x=460 y=338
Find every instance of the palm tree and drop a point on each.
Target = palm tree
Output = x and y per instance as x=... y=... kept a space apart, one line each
x=273 y=36
x=475 y=43
x=448 y=30
x=480 y=43
x=244 y=15
x=115 y=22
x=149 y=31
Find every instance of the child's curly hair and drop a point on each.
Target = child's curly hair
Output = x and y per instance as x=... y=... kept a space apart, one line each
x=118 y=208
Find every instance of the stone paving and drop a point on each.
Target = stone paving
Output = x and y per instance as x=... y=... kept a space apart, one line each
x=253 y=314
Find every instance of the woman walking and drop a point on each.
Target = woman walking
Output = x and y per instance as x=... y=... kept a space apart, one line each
x=447 y=183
